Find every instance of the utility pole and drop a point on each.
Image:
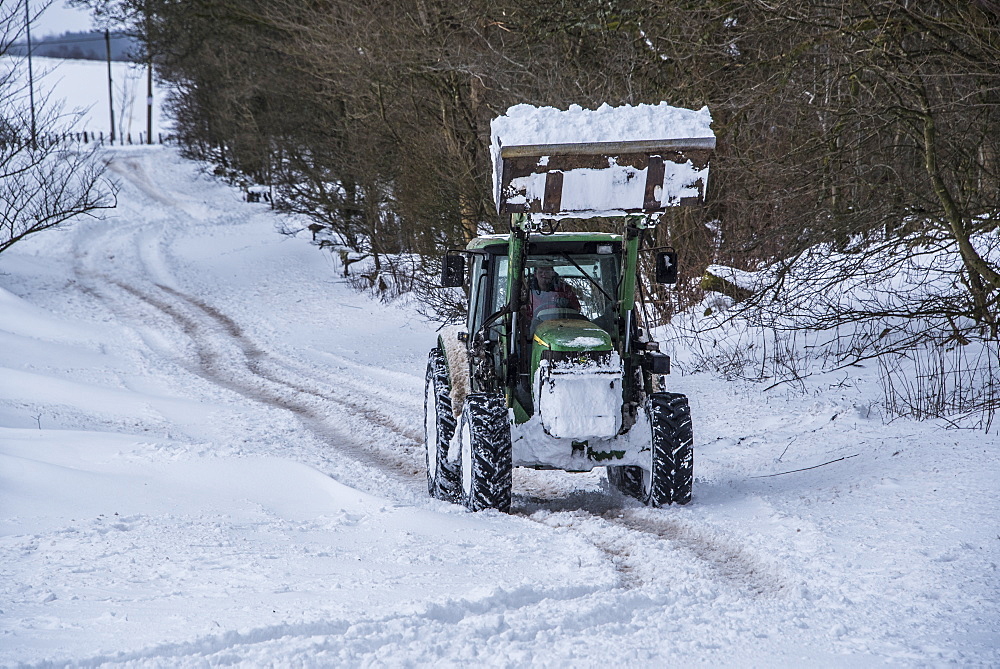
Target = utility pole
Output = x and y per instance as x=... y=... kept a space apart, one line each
x=149 y=101
x=149 y=77
x=111 y=91
x=31 y=76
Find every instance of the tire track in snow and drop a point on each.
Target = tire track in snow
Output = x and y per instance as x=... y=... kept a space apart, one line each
x=248 y=378
x=207 y=325
x=211 y=368
x=728 y=563
x=257 y=358
x=250 y=371
x=614 y=529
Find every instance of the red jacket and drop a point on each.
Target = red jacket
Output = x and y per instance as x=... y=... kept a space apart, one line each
x=562 y=297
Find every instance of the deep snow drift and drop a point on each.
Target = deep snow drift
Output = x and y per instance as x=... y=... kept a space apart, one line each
x=210 y=454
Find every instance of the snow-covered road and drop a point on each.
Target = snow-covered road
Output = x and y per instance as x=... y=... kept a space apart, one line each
x=210 y=453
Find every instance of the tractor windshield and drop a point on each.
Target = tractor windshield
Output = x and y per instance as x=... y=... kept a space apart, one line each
x=571 y=286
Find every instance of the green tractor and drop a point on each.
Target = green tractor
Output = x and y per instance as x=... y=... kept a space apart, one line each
x=553 y=369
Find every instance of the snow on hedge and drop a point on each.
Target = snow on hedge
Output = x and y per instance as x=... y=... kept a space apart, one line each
x=898 y=301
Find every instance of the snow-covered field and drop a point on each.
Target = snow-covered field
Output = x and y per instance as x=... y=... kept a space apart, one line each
x=80 y=88
x=210 y=454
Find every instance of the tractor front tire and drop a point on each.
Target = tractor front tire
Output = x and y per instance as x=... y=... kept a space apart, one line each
x=486 y=453
x=443 y=478
x=669 y=476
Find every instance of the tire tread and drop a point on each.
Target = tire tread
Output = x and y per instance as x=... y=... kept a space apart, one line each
x=445 y=482
x=492 y=464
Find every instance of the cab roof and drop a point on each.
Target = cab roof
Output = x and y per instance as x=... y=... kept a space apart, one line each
x=540 y=241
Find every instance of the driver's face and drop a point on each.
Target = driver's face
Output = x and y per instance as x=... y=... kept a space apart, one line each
x=544 y=275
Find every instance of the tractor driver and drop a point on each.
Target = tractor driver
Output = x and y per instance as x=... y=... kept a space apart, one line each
x=549 y=291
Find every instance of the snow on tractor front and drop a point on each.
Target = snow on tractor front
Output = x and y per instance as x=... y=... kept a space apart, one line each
x=554 y=368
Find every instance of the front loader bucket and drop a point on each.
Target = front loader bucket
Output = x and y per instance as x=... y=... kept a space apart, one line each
x=590 y=179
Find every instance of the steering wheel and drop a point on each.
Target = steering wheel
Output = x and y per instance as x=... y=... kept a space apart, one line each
x=557 y=312
x=553 y=313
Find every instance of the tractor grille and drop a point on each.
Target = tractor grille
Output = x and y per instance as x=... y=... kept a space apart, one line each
x=575 y=361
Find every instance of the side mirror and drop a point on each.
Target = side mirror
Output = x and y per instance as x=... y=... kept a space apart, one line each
x=453 y=271
x=666 y=267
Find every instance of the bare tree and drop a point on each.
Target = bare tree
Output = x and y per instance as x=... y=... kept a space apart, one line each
x=883 y=156
x=857 y=179
x=42 y=184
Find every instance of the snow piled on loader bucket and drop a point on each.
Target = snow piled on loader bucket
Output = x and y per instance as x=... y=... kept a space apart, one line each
x=604 y=162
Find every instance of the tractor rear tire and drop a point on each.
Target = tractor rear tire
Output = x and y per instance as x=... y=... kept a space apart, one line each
x=486 y=453
x=670 y=475
x=443 y=477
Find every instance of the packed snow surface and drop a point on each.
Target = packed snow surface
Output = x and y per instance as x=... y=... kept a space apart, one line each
x=210 y=454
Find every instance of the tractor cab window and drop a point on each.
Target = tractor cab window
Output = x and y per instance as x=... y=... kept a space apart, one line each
x=500 y=297
x=478 y=308
x=570 y=286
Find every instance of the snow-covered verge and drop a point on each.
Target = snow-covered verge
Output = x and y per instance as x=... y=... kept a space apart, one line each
x=210 y=454
x=900 y=304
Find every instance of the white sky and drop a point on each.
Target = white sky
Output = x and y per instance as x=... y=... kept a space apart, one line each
x=58 y=19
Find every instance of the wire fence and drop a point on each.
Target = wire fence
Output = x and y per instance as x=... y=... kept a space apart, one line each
x=47 y=140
